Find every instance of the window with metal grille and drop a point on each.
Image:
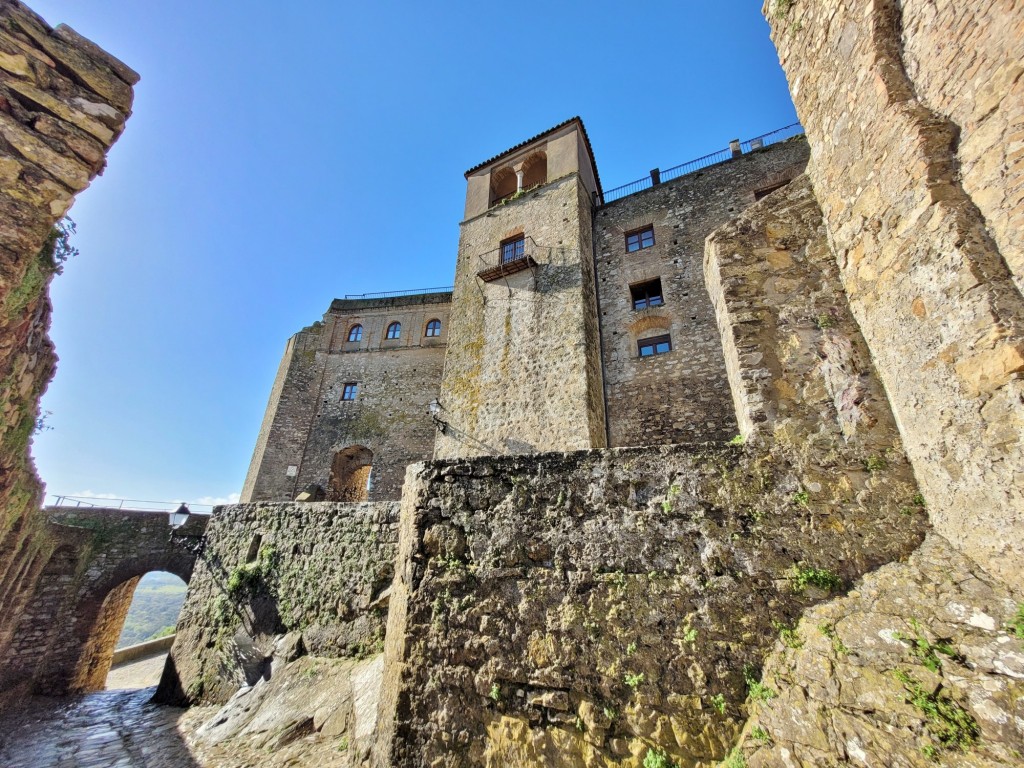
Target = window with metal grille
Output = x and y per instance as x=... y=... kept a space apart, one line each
x=349 y=392
x=657 y=345
x=433 y=328
x=640 y=238
x=355 y=333
x=394 y=331
x=647 y=294
x=513 y=249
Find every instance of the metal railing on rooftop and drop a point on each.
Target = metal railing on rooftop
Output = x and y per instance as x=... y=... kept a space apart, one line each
x=758 y=142
x=390 y=294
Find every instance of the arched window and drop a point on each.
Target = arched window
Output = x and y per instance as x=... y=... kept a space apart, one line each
x=535 y=170
x=433 y=328
x=503 y=185
x=355 y=333
x=394 y=331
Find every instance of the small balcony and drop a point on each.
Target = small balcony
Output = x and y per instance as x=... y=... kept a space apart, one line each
x=511 y=257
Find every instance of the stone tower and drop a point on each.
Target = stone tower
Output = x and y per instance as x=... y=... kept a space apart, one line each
x=523 y=372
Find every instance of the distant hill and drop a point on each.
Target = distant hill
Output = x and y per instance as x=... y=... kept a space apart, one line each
x=154 y=609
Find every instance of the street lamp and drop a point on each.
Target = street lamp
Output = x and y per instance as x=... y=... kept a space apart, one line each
x=179 y=516
x=434 y=409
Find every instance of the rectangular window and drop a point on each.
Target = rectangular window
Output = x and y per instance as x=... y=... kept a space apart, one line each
x=513 y=249
x=647 y=294
x=640 y=238
x=657 y=345
x=349 y=392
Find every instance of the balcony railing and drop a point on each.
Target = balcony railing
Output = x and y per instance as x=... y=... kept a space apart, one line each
x=505 y=260
x=721 y=156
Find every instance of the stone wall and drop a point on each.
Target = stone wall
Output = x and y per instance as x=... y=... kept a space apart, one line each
x=965 y=64
x=522 y=372
x=797 y=363
x=578 y=609
x=63 y=103
x=604 y=606
x=680 y=396
x=307 y=423
x=277 y=581
x=286 y=422
x=924 y=275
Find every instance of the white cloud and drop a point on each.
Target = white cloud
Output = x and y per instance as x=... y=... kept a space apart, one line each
x=214 y=501
x=94 y=495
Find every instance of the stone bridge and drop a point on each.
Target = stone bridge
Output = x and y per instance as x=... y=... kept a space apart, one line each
x=64 y=640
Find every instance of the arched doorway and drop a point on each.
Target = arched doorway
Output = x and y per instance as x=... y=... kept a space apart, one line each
x=152 y=617
x=101 y=613
x=350 y=474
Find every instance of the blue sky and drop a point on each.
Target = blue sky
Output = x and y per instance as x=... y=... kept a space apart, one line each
x=283 y=154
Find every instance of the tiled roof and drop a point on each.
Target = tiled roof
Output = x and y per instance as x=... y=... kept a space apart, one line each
x=520 y=145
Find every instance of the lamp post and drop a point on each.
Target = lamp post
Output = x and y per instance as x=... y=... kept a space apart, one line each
x=192 y=543
x=434 y=409
x=179 y=516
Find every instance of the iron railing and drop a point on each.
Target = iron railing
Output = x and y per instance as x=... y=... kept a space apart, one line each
x=527 y=249
x=131 y=505
x=391 y=294
x=758 y=142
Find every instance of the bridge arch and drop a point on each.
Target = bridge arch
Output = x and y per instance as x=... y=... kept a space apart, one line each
x=93 y=573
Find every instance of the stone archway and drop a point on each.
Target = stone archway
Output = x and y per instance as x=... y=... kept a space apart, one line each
x=65 y=641
x=350 y=474
x=100 y=619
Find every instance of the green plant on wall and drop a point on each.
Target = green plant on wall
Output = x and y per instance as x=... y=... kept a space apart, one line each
x=656 y=758
x=926 y=650
x=787 y=635
x=250 y=579
x=782 y=8
x=1016 y=625
x=758 y=690
x=633 y=679
x=718 y=702
x=802 y=576
x=949 y=724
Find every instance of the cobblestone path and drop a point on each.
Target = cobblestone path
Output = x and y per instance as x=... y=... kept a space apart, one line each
x=109 y=729
x=122 y=729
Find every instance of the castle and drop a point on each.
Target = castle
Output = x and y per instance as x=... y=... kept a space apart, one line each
x=586 y=567
x=578 y=320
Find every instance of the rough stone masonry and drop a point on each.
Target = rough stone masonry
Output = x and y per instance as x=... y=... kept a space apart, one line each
x=63 y=103
x=914 y=115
